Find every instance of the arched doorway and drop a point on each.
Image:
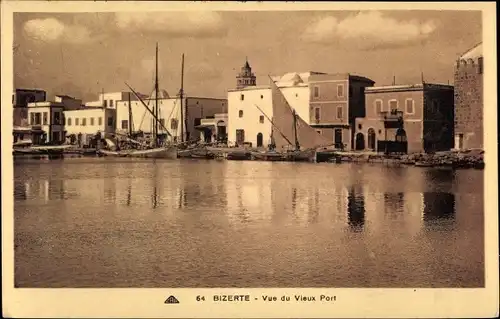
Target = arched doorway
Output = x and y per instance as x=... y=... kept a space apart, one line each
x=372 y=140
x=260 y=140
x=360 y=142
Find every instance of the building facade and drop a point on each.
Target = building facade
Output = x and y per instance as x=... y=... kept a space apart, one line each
x=406 y=119
x=49 y=118
x=110 y=99
x=250 y=108
x=82 y=125
x=468 y=81
x=336 y=100
x=20 y=100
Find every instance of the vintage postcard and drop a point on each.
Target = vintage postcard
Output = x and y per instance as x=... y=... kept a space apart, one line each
x=249 y=159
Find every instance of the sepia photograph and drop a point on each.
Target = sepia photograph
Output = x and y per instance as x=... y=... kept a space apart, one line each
x=249 y=148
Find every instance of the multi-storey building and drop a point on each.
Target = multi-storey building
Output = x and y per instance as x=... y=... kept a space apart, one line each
x=47 y=117
x=469 y=99
x=20 y=100
x=406 y=118
x=336 y=100
x=81 y=125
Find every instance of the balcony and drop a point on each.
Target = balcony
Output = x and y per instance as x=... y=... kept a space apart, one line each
x=392 y=119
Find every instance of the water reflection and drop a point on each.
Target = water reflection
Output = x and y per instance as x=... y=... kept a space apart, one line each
x=356 y=208
x=438 y=207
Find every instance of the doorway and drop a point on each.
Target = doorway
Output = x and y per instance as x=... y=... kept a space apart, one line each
x=337 y=138
x=260 y=139
x=371 y=139
x=459 y=141
x=360 y=142
x=240 y=137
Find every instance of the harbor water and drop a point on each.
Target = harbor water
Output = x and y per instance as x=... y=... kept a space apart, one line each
x=104 y=222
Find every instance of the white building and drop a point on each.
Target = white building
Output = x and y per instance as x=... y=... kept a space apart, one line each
x=247 y=124
x=48 y=117
x=169 y=109
x=84 y=124
x=110 y=99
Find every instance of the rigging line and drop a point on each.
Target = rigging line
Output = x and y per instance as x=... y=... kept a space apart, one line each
x=144 y=114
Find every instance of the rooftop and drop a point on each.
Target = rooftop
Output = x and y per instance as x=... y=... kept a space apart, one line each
x=408 y=87
x=474 y=52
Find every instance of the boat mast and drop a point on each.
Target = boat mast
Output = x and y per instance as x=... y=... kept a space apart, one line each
x=297 y=145
x=156 y=99
x=181 y=93
x=129 y=116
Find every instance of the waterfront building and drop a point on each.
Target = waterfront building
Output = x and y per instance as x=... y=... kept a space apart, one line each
x=82 y=125
x=179 y=124
x=250 y=126
x=47 y=117
x=20 y=100
x=214 y=128
x=406 y=118
x=468 y=83
x=336 y=100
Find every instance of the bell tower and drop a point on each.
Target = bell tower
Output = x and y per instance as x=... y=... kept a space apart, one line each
x=245 y=77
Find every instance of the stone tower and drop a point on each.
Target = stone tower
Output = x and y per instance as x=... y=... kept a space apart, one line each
x=469 y=99
x=245 y=77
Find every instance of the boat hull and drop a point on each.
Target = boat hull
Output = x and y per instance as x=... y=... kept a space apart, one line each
x=268 y=156
x=161 y=152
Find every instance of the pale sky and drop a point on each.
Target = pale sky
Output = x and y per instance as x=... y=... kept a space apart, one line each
x=81 y=54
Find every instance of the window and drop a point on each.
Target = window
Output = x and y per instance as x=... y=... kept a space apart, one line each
x=124 y=124
x=296 y=94
x=340 y=90
x=261 y=97
x=360 y=126
x=410 y=109
x=162 y=123
x=38 y=118
x=393 y=105
x=318 y=131
x=339 y=112
x=316 y=91
x=45 y=118
x=91 y=121
x=240 y=113
x=99 y=121
x=317 y=114
x=105 y=103
x=242 y=97
x=69 y=121
x=480 y=65
x=261 y=119
x=57 y=118
x=84 y=122
x=110 y=121
x=32 y=118
x=77 y=121
x=110 y=103
x=174 y=124
x=350 y=91
x=378 y=106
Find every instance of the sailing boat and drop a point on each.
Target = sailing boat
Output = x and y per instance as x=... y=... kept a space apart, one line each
x=167 y=151
x=305 y=138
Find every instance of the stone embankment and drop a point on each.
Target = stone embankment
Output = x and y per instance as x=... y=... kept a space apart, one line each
x=454 y=159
